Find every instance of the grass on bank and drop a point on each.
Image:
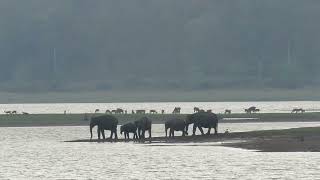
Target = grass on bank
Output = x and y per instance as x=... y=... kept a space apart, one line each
x=83 y=119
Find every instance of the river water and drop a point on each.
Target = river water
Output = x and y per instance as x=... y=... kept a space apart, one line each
x=186 y=107
x=40 y=153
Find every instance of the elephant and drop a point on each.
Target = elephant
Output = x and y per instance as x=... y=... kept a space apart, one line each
x=129 y=128
x=105 y=122
x=143 y=125
x=202 y=120
x=175 y=125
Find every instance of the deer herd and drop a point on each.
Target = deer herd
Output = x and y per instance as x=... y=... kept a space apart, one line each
x=176 y=110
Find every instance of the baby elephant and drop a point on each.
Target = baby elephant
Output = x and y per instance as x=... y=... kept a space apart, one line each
x=129 y=128
x=175 y=125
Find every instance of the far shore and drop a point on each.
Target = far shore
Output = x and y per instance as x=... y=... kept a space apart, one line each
x=19 y=120
x=286 y=140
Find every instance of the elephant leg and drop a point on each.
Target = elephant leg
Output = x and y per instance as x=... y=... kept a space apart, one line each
x=139 y=133
x=170 y=132
x=185 y=130
x=216 y=129
x=143 y=133
x=128 y=135
x=166 y=130
x=194 y=130
x=209 y=130
x=102 y=132
x=115 y=134
x=98 y=131
x=201 y=130
x=149 y=133
x=111 y=134
x=183 y=133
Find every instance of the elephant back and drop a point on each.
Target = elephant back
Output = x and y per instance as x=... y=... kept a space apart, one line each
x=106 y=120
x=129 y=127
x=144 y=123
x=175 y=123
x=205 y=119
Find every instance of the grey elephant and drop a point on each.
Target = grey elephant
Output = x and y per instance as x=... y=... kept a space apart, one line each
x=202 y=120
x=175 y=125
x=143 y=125
x=105 y=122
x=129 y=128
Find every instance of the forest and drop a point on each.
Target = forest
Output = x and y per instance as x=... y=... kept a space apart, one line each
x=79 y=45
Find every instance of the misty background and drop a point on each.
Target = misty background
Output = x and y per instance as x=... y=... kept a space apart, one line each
x=81 y=45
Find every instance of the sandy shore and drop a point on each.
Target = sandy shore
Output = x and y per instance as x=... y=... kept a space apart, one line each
x=288 y=140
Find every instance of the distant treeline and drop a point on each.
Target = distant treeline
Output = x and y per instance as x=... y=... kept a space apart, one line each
x=181 y=44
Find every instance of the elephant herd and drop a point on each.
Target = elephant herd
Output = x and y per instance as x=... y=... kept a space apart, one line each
x=139 y=127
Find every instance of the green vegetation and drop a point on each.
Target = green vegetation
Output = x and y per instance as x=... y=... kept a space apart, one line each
x=82 y=119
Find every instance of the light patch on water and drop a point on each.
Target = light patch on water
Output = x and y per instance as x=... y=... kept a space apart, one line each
x=40 y=153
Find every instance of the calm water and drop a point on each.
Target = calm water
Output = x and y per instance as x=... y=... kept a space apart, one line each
x=39 y=153
x=186 y=107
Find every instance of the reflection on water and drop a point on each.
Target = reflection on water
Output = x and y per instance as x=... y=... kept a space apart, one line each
x=40 y=153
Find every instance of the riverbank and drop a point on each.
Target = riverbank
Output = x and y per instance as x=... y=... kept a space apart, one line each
x=286 y=140
x=20 y=120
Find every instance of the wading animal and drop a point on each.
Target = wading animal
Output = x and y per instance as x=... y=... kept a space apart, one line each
x=175 y=125
x=129 y=128
x=140 y=111
x=105 y=122
x=152 y=111
x=227 y=111
x=296 y=110
x=202 y=120
x=96 y=111
x=176 y=110
x=119 y=111
x=143 y=125
x=196 y=109
x=256 y=110
x=250 y=109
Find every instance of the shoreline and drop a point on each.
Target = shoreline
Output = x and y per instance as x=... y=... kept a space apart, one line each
x=287 y=140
